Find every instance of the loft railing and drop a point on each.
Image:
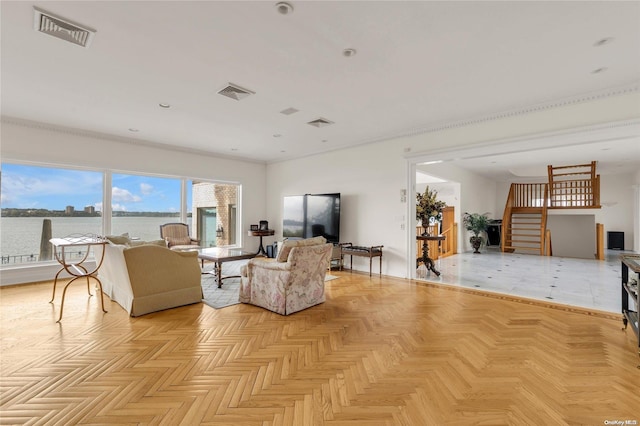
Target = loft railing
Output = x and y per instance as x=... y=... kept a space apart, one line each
x=574 y=187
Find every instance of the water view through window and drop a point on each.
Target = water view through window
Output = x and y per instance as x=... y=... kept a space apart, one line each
x=71 y=202
x=69 y=199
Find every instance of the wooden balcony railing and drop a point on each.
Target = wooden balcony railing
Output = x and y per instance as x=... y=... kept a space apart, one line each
x=574 y=187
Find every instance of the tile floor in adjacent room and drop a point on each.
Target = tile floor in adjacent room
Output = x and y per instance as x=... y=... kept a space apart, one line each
x=578 y=282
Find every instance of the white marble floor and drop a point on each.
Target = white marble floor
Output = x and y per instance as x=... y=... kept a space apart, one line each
x=577 y=282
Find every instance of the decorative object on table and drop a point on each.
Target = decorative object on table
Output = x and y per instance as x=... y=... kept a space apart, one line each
x=476 y=223
x=427 y=207
x=254 y=227
x=264 y=225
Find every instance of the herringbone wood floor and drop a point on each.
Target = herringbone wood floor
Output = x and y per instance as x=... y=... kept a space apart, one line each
x=380 y=351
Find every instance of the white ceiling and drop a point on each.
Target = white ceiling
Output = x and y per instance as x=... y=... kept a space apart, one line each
x=418 y=64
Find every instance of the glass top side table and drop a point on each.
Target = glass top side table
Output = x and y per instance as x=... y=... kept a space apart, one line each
x=78 y=268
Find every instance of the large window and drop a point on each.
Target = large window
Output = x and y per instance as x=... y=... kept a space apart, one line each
x=39 y=203
x=140 y=204
x=35 y=199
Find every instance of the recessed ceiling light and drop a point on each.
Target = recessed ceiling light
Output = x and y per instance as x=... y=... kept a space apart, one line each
x=284 y=8
x=277 y=135
x=134 y=130
x=163 y=105
x=599 y=70
x=603 y=41
x=234 y=149
x=283 y=150
x=324 y=140
x=349 y=52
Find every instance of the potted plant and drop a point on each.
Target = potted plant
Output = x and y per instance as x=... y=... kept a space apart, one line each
x=476 y=223
x=428 y=206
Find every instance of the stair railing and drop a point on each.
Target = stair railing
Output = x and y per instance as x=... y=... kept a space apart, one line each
x=543 y=222
x=505 y=235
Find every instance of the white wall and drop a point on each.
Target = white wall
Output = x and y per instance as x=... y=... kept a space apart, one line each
x=477 y=195
x=39 y=145
x=369 y=181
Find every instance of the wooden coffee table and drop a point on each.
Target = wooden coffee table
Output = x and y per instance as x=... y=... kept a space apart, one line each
x=219 y=255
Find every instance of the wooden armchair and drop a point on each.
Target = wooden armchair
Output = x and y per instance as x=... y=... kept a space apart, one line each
x=177 y=236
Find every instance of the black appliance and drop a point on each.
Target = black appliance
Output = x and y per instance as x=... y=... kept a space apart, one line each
x=615 y=240
x=493 y=232
x=312 y=215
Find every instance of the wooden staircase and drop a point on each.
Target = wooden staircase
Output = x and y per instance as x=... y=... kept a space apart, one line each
x=524 y=223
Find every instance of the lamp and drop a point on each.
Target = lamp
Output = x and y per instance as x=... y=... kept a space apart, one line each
x=219 y=231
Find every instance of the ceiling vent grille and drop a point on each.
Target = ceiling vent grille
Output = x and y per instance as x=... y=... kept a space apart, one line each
x=320 y=122
x=289 y=111
x=63 y=29
x=235 y=92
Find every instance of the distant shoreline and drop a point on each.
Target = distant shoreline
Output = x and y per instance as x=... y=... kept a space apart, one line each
x=11 y=212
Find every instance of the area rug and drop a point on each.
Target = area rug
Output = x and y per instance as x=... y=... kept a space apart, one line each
x=227 y=295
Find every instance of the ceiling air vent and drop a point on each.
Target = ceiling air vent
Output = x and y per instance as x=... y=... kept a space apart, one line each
x=235 y=92
x=289 y=111
x=61 y=28
x=320 y=122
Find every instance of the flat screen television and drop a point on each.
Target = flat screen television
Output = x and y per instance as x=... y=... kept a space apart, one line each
x=311 y=215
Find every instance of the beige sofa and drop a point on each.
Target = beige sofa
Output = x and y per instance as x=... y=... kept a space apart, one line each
x=292 y=282
x=149 y=278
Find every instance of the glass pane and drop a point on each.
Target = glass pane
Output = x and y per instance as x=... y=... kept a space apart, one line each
x=35 y=199
x=140 y=204
x=214 y=207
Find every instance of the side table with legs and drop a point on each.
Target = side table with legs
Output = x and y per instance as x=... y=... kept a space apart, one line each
x=428 y=262
x=77 y=269
x=261 y=233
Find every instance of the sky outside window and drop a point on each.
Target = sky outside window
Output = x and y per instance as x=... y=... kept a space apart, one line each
x=137 y=193
x=32 y=187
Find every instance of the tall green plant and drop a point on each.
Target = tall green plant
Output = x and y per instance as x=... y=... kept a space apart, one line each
x=476 y=223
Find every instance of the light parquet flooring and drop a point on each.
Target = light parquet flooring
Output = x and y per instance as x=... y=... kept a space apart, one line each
x=379 y=351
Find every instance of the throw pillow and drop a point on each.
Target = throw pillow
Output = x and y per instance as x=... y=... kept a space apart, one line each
x=287 y=245
x=179 y=241
x=119 y=239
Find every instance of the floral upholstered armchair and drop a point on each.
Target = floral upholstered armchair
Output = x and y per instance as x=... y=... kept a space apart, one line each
x=292 y=282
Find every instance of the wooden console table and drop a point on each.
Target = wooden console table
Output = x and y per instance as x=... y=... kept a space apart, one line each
x=370 y=252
